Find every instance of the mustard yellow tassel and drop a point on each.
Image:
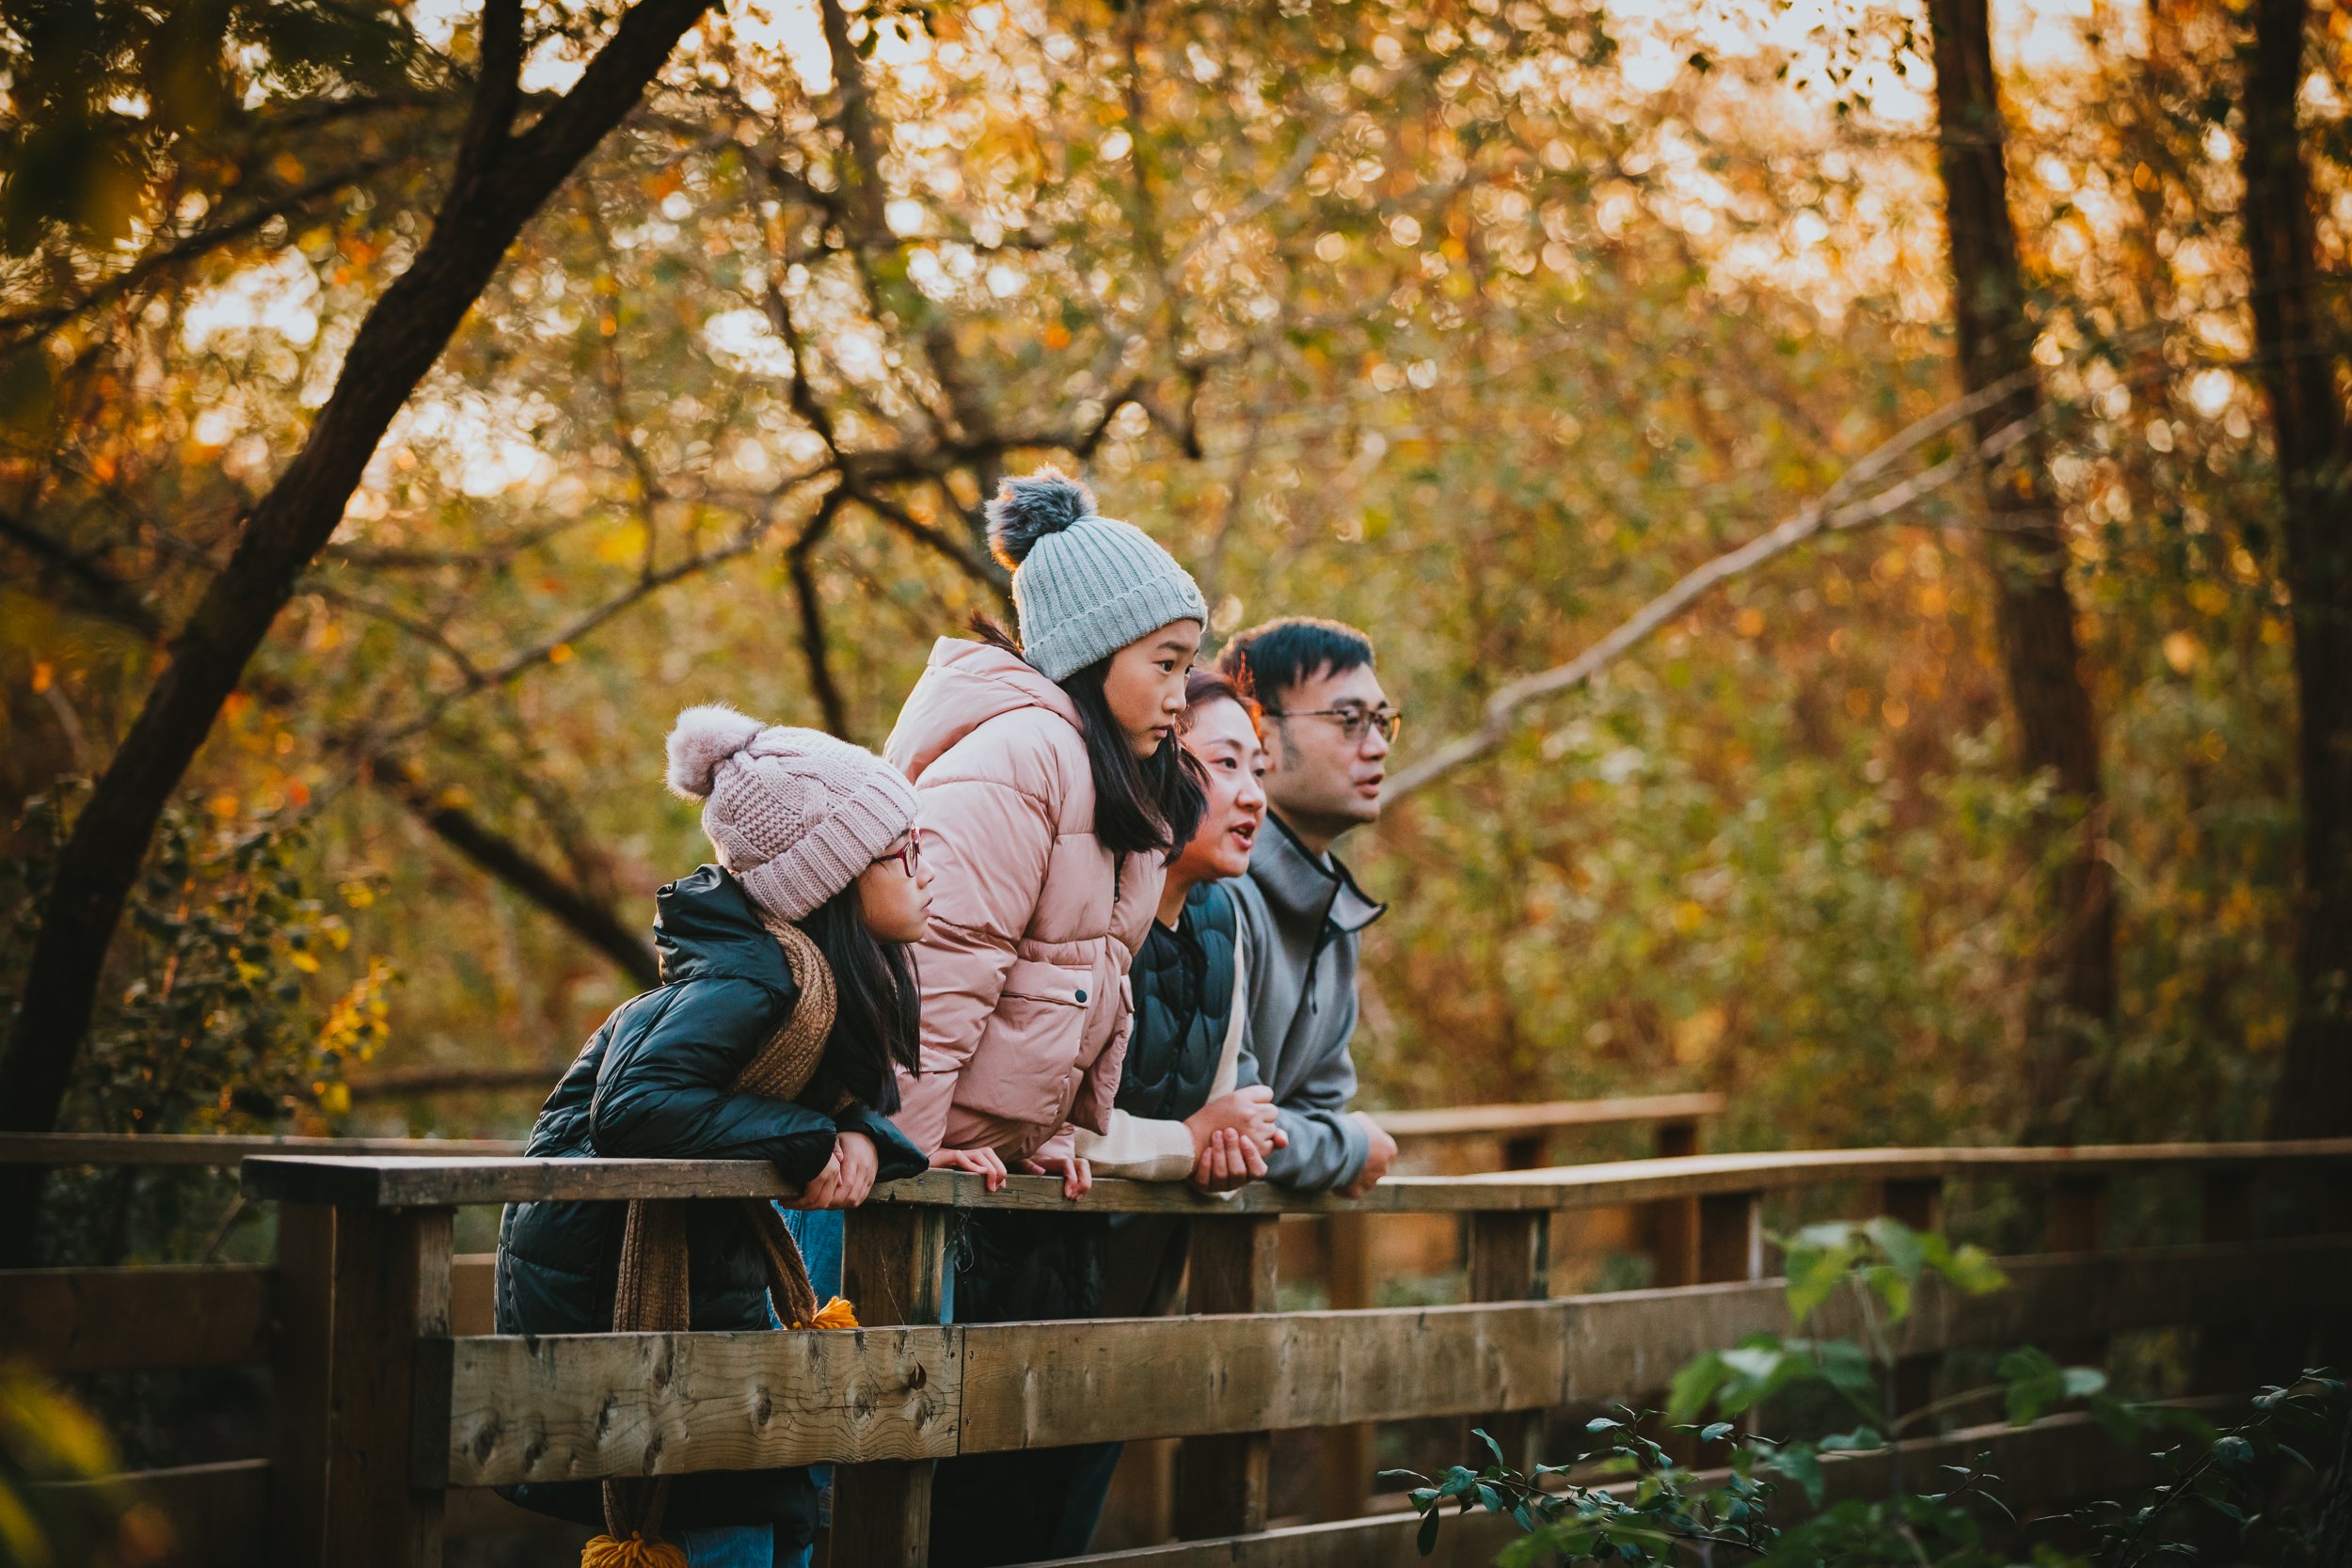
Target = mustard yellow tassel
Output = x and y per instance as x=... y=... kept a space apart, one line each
x=836 y=1313
x=635 y=1552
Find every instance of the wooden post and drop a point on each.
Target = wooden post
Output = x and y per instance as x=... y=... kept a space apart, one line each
x=2078 y=1223
x=1346 y=1483
x=1509 y=1262
x=1918 y=1204
x=1222 y=1482
x=894 y=1270
x=1731 y=1237
x=1673 y=1223
x=388 y=1387
x=299 y=1368
x=2227 y=1359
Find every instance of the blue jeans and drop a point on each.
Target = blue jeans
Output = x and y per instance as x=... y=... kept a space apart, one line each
x=737 y=1547
x=820 y=1232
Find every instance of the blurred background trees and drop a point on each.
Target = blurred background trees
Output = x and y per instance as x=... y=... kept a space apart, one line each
x=1478 y=325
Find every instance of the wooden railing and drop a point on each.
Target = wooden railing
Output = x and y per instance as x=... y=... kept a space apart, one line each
x=388 y=1420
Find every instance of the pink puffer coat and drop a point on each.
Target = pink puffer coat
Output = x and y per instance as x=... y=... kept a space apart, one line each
x=1033 y=923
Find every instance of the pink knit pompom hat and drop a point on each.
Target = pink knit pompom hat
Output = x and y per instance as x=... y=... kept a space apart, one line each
x=795 y=814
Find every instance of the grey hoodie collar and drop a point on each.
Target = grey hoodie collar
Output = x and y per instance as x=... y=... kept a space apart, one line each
x=1304 y=887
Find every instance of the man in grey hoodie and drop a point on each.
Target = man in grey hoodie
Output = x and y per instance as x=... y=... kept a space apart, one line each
x=1302 y=916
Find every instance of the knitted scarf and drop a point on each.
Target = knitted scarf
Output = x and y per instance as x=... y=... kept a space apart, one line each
x=653 y=1294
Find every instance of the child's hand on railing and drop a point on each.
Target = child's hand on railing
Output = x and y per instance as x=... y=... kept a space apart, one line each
x=983 y=1163
x=857 y=1159
x=1380 y=1153
x=1076 y=1175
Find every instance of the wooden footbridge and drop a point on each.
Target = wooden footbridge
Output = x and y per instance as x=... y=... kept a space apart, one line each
x=396 y=1408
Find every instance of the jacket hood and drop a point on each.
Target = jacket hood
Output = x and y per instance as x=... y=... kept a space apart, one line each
x=705 y=927
x=964 y=686
x=1304 y=888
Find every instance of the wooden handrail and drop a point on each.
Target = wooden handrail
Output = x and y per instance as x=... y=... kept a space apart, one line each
x=380 y=1183
x=212 y=1148
x=1560 y=1116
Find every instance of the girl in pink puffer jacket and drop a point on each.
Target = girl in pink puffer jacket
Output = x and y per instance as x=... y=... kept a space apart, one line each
x=1051 y=791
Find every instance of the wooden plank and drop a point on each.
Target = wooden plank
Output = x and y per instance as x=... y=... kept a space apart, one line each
x=205 y=1148
x=894 y=1268
x=112 y=1320
x=382 y=1182
x=1225 y=1484
x=301 y=1368
x=390 y=1321
x=216 y=1511
x=1458 y=1121
x=1035 y=1384
x=531 y=1408
x=2077 y=1222
x=2059 y=1460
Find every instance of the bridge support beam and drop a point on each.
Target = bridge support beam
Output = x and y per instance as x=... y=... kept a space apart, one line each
x=894 y=1267
x=1224 y=1483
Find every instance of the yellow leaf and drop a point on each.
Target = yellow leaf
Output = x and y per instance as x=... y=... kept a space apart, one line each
x=2181 y=651
x=303 y=961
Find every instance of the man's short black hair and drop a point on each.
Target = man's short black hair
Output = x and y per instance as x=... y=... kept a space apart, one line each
x=1271 y=659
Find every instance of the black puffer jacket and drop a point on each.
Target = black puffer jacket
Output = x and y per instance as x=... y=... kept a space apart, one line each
x=653 y=1083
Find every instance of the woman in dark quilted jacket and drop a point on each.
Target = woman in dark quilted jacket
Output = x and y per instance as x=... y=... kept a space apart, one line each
x=787 y=1004
x=1177 y=1117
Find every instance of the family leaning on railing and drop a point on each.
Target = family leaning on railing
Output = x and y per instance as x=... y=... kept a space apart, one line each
x=1081 y=917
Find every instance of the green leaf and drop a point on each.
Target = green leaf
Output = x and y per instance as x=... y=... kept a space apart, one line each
x=1801 y=1463
x=1902 y=1245
x=1715 y=1432
x=1427 y=1539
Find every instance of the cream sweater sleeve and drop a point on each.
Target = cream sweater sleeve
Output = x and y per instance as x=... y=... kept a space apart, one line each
x=1144 y=1149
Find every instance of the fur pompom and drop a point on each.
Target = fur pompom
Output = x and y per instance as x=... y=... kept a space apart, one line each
x=1026 y=510
x=701 y=739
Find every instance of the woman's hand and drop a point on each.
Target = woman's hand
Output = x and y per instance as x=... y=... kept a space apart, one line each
x=1076 y=1175
x=1230 y=1160
x=1247 y=1112
x=982 y=1162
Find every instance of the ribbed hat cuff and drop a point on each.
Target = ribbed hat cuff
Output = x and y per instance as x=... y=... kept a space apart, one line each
x=859 y=827
x=1078 y=641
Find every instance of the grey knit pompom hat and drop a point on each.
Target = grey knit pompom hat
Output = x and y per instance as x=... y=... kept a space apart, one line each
x=795 y=814
x=1084 y=585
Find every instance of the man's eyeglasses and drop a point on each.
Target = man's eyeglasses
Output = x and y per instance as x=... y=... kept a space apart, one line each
x=908 y=855
x=1353 y=721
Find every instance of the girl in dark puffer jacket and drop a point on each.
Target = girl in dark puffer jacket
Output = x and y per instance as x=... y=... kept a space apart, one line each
x=787 y=1003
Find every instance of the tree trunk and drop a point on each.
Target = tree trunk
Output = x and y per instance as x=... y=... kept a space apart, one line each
x=2074 y=996
x=499 y=179
x=2312 y=431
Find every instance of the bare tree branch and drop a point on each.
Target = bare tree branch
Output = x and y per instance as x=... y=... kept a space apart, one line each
x=1831 y=512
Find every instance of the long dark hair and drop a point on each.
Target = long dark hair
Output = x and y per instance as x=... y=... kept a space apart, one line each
x=877 y=1006
x=1142 y=805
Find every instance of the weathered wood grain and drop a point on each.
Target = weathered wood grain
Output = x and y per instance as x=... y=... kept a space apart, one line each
x=390 y=1316
x=1225 y=1482
x=894 y=1269
x=386 y=1183
x=1032 y=1384
x=662 y=1404
x=112 y=1320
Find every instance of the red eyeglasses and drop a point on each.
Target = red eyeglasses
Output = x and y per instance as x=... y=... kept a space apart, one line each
x=908 y=855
